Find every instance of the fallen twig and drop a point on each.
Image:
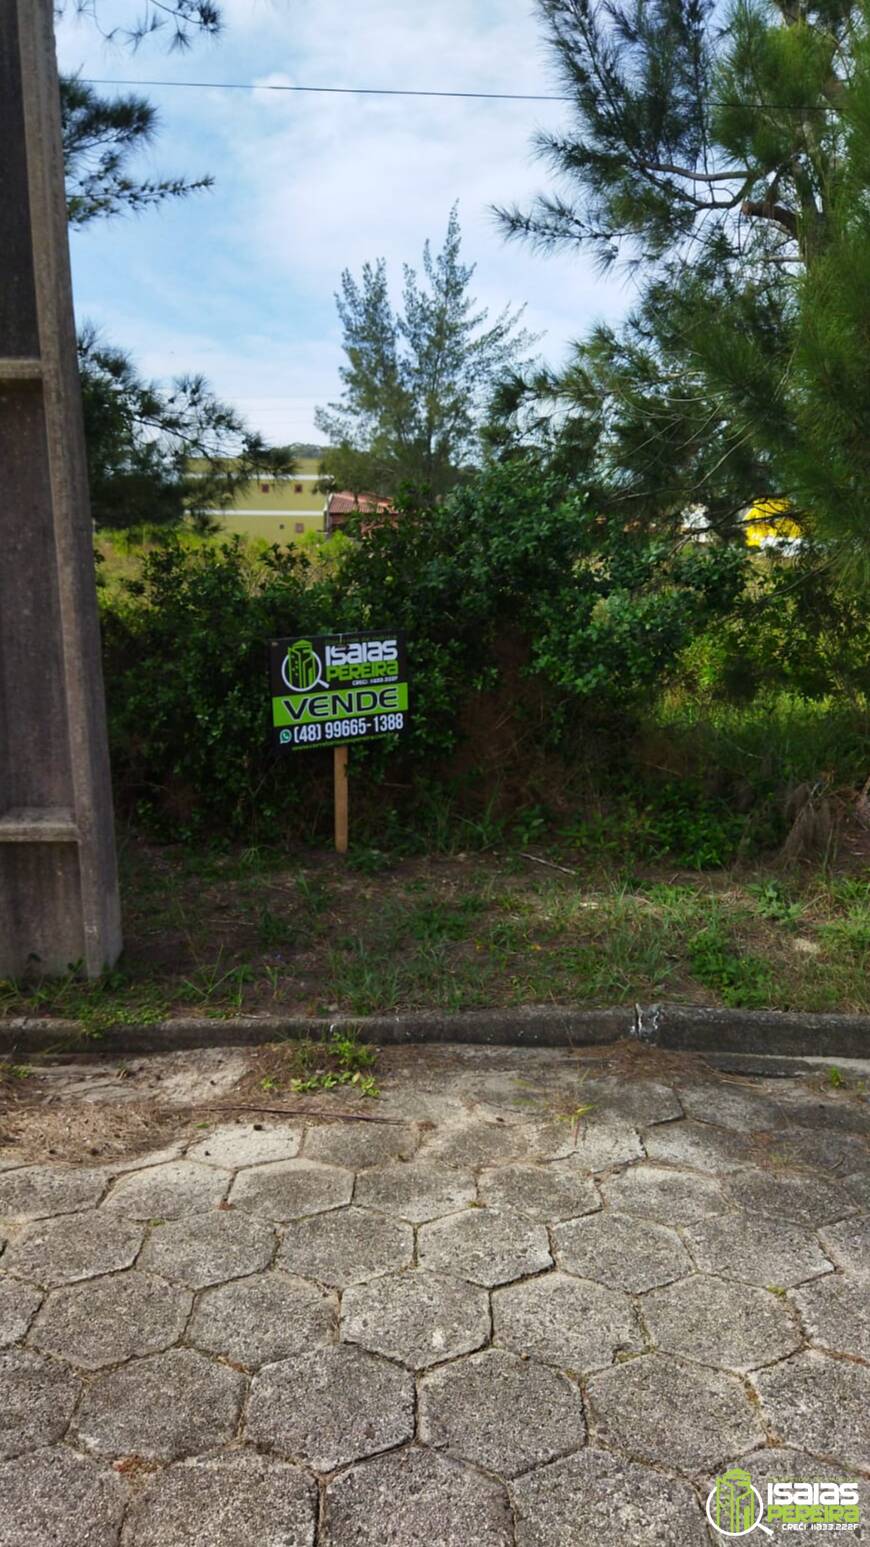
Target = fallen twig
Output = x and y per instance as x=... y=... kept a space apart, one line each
x=347 y=1117
x=552 y=864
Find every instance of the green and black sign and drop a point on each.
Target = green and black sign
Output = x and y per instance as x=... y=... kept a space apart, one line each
x=333 y=689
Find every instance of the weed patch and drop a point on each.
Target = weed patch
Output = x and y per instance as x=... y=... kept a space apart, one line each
x=741 y=980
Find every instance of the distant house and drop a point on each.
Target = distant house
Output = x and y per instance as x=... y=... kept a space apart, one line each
x=767 y=524
x=281 y=510
x=342 y=505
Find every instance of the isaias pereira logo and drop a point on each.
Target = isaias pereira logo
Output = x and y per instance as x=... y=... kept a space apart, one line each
x=734 y=1506
x=302 y=668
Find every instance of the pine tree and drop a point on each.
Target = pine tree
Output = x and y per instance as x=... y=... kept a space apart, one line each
x=100 y=137
x=417 y=381
x=141 y=437
x=727 y=159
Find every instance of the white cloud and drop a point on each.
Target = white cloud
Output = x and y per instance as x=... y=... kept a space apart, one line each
x=241 y=288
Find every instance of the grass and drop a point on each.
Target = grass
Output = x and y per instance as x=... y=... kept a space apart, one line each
x=307 y=1066
x=255 y=931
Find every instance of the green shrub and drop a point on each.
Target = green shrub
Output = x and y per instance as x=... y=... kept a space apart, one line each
x=530 y=623
x=185 y=658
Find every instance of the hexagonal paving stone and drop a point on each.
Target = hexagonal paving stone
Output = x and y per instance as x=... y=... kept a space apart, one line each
x=767 y=1252
x=419 y=1318
x=266 y=1317
x=18 y=1306
x=677 y=1415
x=209 y=1248
x=168 y=1192
x=416 y=1499
x=237 y=1500
x=112 y=1318
x=858 y=1188
x=819 y=1404
x=621 y=1252
x=243 y=1144
x=802 y=1200
x=566 y=1321
x=716 y=1322
x=418 y=1190
x=671 y=1197
x=732 y=1106
x=360 y=1145
x=848 y=1243
x=606 y=1140
x=821 y=1151
x=550 y=1138
x=484 y=1245
x=37 y=1398
x=639 y=1101
x=331 y=1406
x=836 y=1313
x=290 y=1189
x=56 y=1497
x=700 y=1145
x=74 y=1247
x=595 y=1498
x=37 y=1191
x=500 y=1412
x=471 y=1143
x=560 y=1190
x=840 y=1114
x=160 y=1408
x=346 y=1246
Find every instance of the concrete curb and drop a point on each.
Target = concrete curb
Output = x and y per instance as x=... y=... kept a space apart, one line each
x=688 y=1028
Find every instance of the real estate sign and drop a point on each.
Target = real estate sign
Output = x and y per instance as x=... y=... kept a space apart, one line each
x=334 y=689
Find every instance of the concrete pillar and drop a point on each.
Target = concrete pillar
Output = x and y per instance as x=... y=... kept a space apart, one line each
x=58 y=878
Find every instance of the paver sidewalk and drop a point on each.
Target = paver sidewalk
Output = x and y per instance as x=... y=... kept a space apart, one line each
x=477 y=1325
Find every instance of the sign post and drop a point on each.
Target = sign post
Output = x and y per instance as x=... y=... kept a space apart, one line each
x=335 y=690
x=339 y=766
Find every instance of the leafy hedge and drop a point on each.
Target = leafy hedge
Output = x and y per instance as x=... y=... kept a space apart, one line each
x=522 y=607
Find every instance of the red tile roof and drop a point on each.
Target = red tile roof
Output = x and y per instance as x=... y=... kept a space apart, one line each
x=346 y=504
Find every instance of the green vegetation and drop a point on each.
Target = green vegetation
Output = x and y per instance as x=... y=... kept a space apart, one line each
x=724 y=153
x=455 y=932
x=305 y=1067
x=416 y=381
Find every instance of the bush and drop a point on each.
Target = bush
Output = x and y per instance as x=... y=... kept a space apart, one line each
x=186 y=658
x=531 y=622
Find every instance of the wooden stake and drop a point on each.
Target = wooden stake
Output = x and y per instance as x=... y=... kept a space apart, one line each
x=340 y=779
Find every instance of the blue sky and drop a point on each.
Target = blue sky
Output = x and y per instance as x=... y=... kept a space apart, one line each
x=238 y=283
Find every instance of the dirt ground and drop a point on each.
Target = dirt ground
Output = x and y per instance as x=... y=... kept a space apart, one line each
x=83 y=1110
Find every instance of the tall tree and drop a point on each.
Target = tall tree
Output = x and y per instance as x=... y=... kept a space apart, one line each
x=416 y=380
x=122 y=21
x=100 y=138
x=725 y=157
x=156 y=453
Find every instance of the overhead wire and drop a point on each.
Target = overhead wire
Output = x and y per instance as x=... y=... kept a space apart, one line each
x=403 y=91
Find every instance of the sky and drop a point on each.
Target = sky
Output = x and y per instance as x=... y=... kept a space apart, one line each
x=238 y=284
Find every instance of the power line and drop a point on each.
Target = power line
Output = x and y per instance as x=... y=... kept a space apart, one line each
x=340 y=91
x=463 y=96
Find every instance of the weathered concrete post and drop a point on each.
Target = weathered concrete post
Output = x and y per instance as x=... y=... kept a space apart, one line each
x=58 y=880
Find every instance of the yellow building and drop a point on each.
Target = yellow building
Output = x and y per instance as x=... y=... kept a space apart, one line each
x=280 y=510
x=765 y=524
